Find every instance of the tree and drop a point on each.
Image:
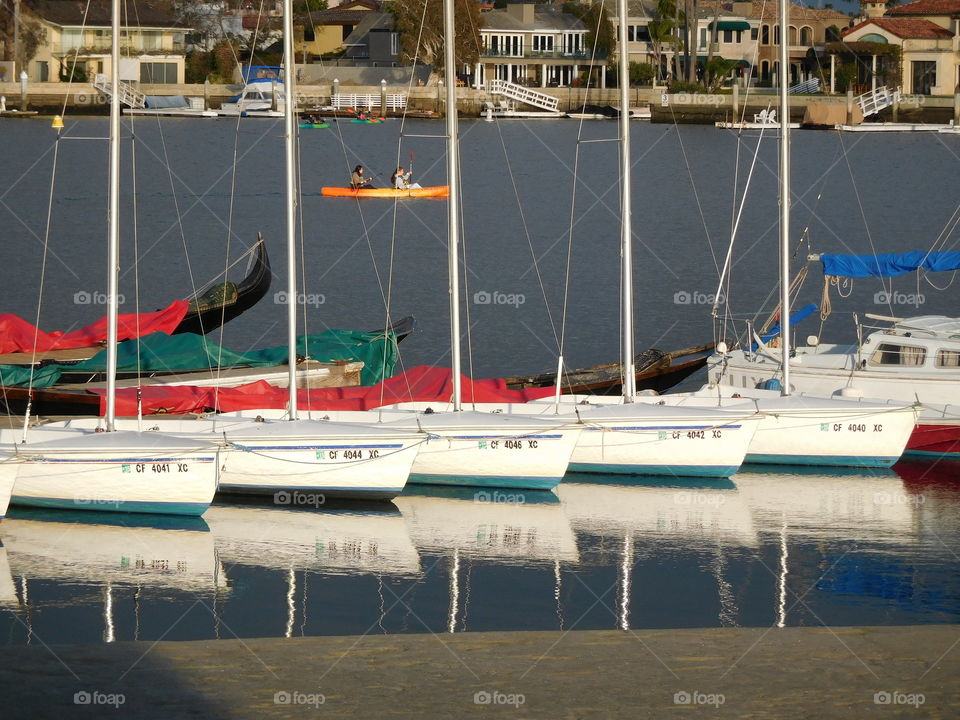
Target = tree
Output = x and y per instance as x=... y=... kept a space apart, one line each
x=600 y=37
x=661 y=32
x=32 y=35
x=420 y=25
x=641 y=73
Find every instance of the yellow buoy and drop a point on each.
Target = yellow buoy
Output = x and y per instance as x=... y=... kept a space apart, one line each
x=57 y=122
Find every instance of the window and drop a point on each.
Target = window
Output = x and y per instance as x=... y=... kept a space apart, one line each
x=309 y=35
x=924 y=76
x=806 y=36
x=753 y=34
x=643 y=33
x=948 y=358
x=43 y=71
x=631 y=33
x=739 y=36
x=71 y=39
x=544 y=43
x=158 y=73
x=703 y=38
x=765 y=35
x=888 y=354
x=394 y=43
x=151 y=40
x=776 y=35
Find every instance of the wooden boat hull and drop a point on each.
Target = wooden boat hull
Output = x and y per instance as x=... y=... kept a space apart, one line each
x=440 y=191
x=656 y=370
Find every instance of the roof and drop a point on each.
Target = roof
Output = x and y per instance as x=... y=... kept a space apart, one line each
x=545 y=17
x=927 y=7
x=909 y=27
x=348 y=13
x=768 y=11
x=147 y=13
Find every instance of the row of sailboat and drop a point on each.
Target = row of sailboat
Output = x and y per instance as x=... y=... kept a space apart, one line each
x=117 y=464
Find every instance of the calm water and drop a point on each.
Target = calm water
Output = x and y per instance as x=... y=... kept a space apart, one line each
x=763 y=548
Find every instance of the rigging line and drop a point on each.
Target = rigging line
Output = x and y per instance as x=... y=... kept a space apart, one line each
x=526 y=233
x=393 y=230
x=43 y=273
x=76 y=54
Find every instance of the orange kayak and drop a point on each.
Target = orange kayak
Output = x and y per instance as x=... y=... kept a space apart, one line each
x=436 y=191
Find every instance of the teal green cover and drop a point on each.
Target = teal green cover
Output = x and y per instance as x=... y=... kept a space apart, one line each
x=180 y=353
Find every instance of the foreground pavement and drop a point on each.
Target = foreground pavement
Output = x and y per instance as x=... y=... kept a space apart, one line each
x=854 y=672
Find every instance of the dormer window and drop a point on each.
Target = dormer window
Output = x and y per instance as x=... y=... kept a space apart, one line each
x=888 y=354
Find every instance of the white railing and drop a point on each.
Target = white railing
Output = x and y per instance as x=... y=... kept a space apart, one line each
x=807 y=87
x=129 y=95
x=523 y=94
x=876 y=100
x=395 y=101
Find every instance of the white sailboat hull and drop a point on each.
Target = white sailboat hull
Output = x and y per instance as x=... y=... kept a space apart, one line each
x=8 y=474
x=115 y=472
x=638 y=439
x=287 y=459
x=474 y=449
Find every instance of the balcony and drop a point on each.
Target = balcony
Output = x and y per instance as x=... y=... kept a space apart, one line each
x=541 y=55
x=128 y=46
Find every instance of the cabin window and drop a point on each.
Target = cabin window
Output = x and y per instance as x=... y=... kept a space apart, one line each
x=948 y=358
x=907 y=355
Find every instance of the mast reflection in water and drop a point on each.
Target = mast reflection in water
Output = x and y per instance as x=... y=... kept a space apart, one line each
x=784 y=548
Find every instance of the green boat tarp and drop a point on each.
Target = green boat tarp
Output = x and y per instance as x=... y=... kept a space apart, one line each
x=160 y=352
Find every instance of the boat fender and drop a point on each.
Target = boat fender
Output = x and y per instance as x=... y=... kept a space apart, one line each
x=259 y=419
x=771 y=384
x=428 y=411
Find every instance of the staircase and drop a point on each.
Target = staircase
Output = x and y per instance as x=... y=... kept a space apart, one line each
x=129 y=95
x=524 y=95
x=876 y=100
x=807 y=87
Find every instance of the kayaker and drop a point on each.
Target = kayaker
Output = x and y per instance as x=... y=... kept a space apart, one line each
x=401 y=180
x=358 y=179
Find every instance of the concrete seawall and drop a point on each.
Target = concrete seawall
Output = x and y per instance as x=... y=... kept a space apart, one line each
x=823 y=673
x=83 y=99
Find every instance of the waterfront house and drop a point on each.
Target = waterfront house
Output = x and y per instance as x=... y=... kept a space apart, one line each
x=531 y=44
x=915 y=46
x=326 y=31
x=78 y=38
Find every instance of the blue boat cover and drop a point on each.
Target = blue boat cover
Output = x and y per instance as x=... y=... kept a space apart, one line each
x=889 y=264
x=795 y=317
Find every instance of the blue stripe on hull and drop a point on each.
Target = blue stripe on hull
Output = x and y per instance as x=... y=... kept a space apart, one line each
x=822 y=460
x=342 y=491
x=931 y=454
x=713 y=471
x=154 y=508
x=505 y=482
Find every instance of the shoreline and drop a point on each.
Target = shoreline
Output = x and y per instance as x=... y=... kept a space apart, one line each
x=794 y=672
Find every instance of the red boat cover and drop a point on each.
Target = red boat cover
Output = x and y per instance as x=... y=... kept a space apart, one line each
x=419 y=384
x=17 y=335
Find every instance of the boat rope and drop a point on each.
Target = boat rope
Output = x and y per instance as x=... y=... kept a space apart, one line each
x=359 y=461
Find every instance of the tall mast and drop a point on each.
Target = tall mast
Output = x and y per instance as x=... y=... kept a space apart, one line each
x=453 y=207
x=290 y=94
x=626 y=233
x=785 y=192
x=113 y=240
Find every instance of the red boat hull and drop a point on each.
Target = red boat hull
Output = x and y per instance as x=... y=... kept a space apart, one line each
x=935 y=439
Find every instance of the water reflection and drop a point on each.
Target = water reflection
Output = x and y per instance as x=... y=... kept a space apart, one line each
x=788 y=547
